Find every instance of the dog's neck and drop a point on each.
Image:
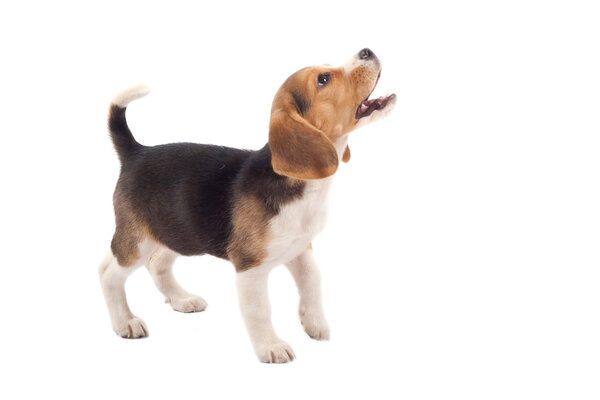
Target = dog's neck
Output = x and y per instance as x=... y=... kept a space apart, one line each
x=340 y=146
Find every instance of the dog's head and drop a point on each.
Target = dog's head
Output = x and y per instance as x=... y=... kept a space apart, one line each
x=318 y=106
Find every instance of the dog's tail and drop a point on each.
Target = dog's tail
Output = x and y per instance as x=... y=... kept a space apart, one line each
x=120 y=134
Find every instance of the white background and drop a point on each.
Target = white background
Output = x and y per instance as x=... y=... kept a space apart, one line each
x=461 y=258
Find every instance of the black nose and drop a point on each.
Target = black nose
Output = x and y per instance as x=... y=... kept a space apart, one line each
x=365 y=54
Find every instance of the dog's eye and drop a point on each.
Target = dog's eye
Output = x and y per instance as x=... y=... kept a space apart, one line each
x=323 y=79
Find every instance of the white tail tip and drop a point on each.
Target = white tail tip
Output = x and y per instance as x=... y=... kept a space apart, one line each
x=123 y=98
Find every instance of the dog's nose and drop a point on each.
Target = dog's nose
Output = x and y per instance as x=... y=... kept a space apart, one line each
x=365 y=54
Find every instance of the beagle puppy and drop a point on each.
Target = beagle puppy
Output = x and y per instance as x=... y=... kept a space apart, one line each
x=257 y=209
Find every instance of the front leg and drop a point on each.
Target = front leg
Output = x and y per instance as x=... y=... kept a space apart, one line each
x=253 y=294
x=308 y=279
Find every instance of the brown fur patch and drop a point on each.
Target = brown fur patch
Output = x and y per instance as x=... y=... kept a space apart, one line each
x=129 y=233
x=249 y=236
x=299 y=150
x=346 y=156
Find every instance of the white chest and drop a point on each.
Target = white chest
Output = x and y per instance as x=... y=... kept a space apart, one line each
x=298 y=223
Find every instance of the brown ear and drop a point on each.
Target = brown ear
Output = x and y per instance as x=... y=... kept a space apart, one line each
x=298 y=149
x=346 y=156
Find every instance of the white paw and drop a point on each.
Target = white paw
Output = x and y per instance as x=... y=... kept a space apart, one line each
x=132 y=329
x=315 y=326
x=187 y=304
x=314 y=323
x=276 y=352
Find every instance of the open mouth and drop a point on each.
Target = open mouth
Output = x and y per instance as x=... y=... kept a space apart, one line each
x=367 y=107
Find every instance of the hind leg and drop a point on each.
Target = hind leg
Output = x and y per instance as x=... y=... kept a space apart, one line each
x=160 y=267
x=112 y=279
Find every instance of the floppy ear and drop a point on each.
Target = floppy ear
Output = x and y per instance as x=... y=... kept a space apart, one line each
x=346 y=156
x=298 y=149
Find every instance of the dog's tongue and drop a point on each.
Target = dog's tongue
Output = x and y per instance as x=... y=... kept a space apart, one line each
x=368 y=106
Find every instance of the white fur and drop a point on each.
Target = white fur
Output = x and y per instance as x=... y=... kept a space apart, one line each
x=252 y=286
x=308 y=279
x=159 y=261
x=112 y=279
x=123 y=98
x=160 y=266
x=298 y=223
x=356 y=62
x=353 y=63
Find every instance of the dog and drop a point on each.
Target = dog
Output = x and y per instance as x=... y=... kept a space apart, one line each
x=257 y=209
